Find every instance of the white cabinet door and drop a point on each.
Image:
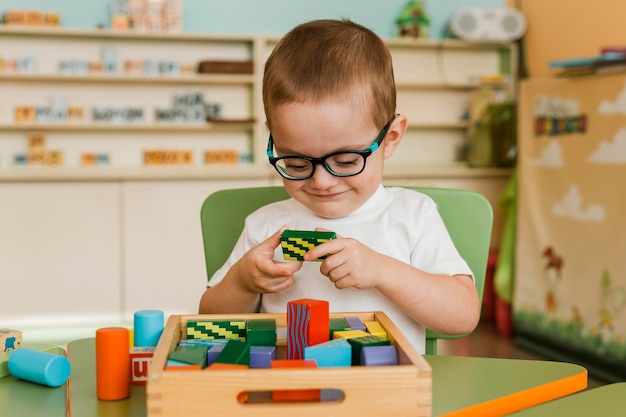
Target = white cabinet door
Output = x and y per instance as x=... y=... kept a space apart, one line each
x=59 y=254
x=163 y=249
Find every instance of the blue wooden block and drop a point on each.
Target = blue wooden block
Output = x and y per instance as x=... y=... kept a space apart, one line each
x=262 y=356
x=213 y=352
x=379 y=356
x=355 y=323
x=332 y=354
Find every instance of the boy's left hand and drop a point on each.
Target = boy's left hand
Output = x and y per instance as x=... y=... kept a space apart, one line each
x=349 y=263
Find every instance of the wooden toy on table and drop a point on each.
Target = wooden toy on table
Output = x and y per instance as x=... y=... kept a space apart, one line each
x=42 y=368
x=148 y=326
x=112 y=363
x=296 y=243
x=10 y=339
x=140 y=358
x=403 y=390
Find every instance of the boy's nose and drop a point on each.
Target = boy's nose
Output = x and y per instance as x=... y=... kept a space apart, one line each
x=321 y=178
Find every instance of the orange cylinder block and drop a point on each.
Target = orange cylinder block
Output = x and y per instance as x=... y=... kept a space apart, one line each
x=112 y=363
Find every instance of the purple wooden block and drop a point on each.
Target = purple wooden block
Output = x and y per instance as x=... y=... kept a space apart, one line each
x=355 y=323
x=213 y=353
x=262 y=356
x=379 y=355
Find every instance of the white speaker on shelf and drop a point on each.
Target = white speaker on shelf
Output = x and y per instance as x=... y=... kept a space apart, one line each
x=488 y=24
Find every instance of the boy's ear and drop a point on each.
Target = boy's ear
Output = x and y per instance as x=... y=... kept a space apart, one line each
x=394 y=135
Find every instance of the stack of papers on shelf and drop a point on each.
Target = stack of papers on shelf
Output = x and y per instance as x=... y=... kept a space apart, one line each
x=610 y=60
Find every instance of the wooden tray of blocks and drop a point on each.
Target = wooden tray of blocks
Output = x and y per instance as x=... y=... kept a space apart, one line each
x=401 y=390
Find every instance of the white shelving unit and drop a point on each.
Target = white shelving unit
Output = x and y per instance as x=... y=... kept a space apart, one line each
x=435 y=80
x=126 y=236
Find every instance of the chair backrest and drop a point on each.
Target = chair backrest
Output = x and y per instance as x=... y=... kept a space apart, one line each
x=467 y=215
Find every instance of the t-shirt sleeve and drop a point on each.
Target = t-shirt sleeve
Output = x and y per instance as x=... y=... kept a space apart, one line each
x=434 y=250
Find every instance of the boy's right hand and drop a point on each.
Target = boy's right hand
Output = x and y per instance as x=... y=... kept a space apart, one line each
x=258 y=271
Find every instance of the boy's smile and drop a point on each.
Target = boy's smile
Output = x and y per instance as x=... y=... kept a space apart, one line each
x=319 y=129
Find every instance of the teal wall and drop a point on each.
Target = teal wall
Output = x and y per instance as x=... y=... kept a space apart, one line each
x=266 y=17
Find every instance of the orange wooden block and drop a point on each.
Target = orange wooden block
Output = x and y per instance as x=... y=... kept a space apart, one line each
x=36 y=142
x=25 y=114
x=184 y=368
x=295 y=395
x=112 y=363
x=224 y=156
x=53 y=158
x=89 y=159
x=219 y=365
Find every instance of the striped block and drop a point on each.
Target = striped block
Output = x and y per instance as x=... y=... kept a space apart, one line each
x=296 y=243
x=307 y=325
x=216 y=329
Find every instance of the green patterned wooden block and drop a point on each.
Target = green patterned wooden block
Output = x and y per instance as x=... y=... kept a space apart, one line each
x=296 y=243
x=216 y=329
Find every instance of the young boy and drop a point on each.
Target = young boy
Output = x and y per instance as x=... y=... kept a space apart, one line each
x=330 y=98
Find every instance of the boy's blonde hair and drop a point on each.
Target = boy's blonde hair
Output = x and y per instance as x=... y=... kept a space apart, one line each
x=331 y=59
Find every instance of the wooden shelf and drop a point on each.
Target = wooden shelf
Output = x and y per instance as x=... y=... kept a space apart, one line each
x=222 y=172
x=460 y=170
x=445 y=97
x=193 y=79
x=460 y=125
x=143 y=173
x=108 y=34
x=234 y=125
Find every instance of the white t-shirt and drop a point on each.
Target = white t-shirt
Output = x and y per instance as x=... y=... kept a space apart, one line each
x=397 y=222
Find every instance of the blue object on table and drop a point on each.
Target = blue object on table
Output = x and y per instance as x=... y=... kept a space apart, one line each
x=39 y=367
x=148 y=326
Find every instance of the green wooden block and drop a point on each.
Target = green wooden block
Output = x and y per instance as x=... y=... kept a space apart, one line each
x=216 y=329
x=358 y=343
x=338 y=324
x=261 y=332
x=296 y=243
x=235 y=352
x=195 y=355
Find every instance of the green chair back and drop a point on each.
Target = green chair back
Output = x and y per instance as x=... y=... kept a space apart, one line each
x=467 y=215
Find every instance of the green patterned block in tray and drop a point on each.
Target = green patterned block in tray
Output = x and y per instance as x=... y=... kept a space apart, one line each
x=216 y=329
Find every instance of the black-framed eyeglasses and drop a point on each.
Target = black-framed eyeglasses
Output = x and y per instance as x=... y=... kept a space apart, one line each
x=339 y=164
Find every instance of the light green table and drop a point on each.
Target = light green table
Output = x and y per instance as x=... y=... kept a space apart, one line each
x=606 y=401
x=462 y=386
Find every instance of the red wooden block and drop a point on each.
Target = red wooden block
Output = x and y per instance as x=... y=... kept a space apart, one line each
x=300 y=394
x=307 y=325
x=140 y=358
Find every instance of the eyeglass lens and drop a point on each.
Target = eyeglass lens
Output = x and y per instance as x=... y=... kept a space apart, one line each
x=341 y=164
